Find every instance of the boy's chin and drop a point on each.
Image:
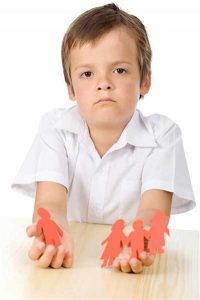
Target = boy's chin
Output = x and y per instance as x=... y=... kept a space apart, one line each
x=107 y=124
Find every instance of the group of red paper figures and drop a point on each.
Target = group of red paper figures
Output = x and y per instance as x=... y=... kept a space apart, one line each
x=117 y=239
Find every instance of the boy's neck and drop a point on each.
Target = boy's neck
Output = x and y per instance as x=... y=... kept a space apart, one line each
x=103 y=139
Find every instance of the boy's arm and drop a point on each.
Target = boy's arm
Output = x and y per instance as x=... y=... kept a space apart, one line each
x=53 y=197
x=152 y=201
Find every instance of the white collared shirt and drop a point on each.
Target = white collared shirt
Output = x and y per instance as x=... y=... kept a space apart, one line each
x=149 y=154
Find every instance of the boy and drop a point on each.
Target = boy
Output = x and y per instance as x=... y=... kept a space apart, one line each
x=102 y=160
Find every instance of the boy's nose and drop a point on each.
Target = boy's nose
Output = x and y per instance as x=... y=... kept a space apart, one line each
x=102 y=87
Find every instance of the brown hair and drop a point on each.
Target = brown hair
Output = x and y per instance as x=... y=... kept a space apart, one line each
x=93 y=23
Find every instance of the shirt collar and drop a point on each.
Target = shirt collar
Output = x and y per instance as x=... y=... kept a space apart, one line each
x=138 y=132
x=72 y=121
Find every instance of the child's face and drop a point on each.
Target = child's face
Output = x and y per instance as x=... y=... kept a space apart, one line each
x=105 y=79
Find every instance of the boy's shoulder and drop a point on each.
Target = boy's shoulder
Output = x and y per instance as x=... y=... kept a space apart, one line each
x=58 y=116
x=161 y=120
x=161 y=124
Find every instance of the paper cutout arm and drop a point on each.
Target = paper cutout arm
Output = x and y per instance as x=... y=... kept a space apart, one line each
x=58 y=229
x=147 y=234
x=106 y=240
x=167 y=231
x=39 y=227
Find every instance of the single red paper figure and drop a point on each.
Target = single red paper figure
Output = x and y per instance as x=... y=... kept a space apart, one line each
x=52 y=232
x=136 y=238
x=156 y=233
x=115 y=241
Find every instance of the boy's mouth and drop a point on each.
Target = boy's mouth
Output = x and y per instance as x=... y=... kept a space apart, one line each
x=105 y=100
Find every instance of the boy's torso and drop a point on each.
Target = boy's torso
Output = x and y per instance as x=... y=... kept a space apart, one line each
x=102 y=190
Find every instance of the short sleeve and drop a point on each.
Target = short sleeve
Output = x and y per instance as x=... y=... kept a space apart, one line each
x=166 y=168
x=46 y=160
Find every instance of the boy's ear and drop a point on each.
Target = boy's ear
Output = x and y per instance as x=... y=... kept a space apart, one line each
x=146 y=84
x=71 y=92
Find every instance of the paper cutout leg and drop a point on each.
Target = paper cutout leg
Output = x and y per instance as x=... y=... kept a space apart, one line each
x=52 y=232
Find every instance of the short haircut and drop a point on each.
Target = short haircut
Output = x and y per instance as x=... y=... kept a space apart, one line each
x=91 y=25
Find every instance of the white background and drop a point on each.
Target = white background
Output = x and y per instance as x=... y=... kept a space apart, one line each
x=32 y=82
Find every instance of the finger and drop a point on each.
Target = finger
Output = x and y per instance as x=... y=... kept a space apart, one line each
x=36 y=249
x=68 y=255
x=146 y=259
x=135 y=265
x=45 y=260
x=123 y=255
x=126 y=251
x=68 y=259
x=58 y=258
x=125 y=267
x=116 y=264
x=31 y=230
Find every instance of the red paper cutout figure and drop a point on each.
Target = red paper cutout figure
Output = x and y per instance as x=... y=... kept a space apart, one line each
x=117 y=239
x=136 y=238
x=52 y=232
x=114 y=243
x=156 y=233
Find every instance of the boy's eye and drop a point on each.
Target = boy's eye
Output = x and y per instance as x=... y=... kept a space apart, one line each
x=88 y=73
x=121 y=69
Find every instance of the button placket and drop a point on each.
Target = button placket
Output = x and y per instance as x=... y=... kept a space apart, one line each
x=97 y=195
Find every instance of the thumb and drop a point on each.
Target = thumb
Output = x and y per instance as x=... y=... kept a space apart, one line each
x=31 y=230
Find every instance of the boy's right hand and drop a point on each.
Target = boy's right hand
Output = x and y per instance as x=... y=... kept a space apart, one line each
x=50 y=256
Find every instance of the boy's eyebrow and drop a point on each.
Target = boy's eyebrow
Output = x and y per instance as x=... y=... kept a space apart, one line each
x=112 y=64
